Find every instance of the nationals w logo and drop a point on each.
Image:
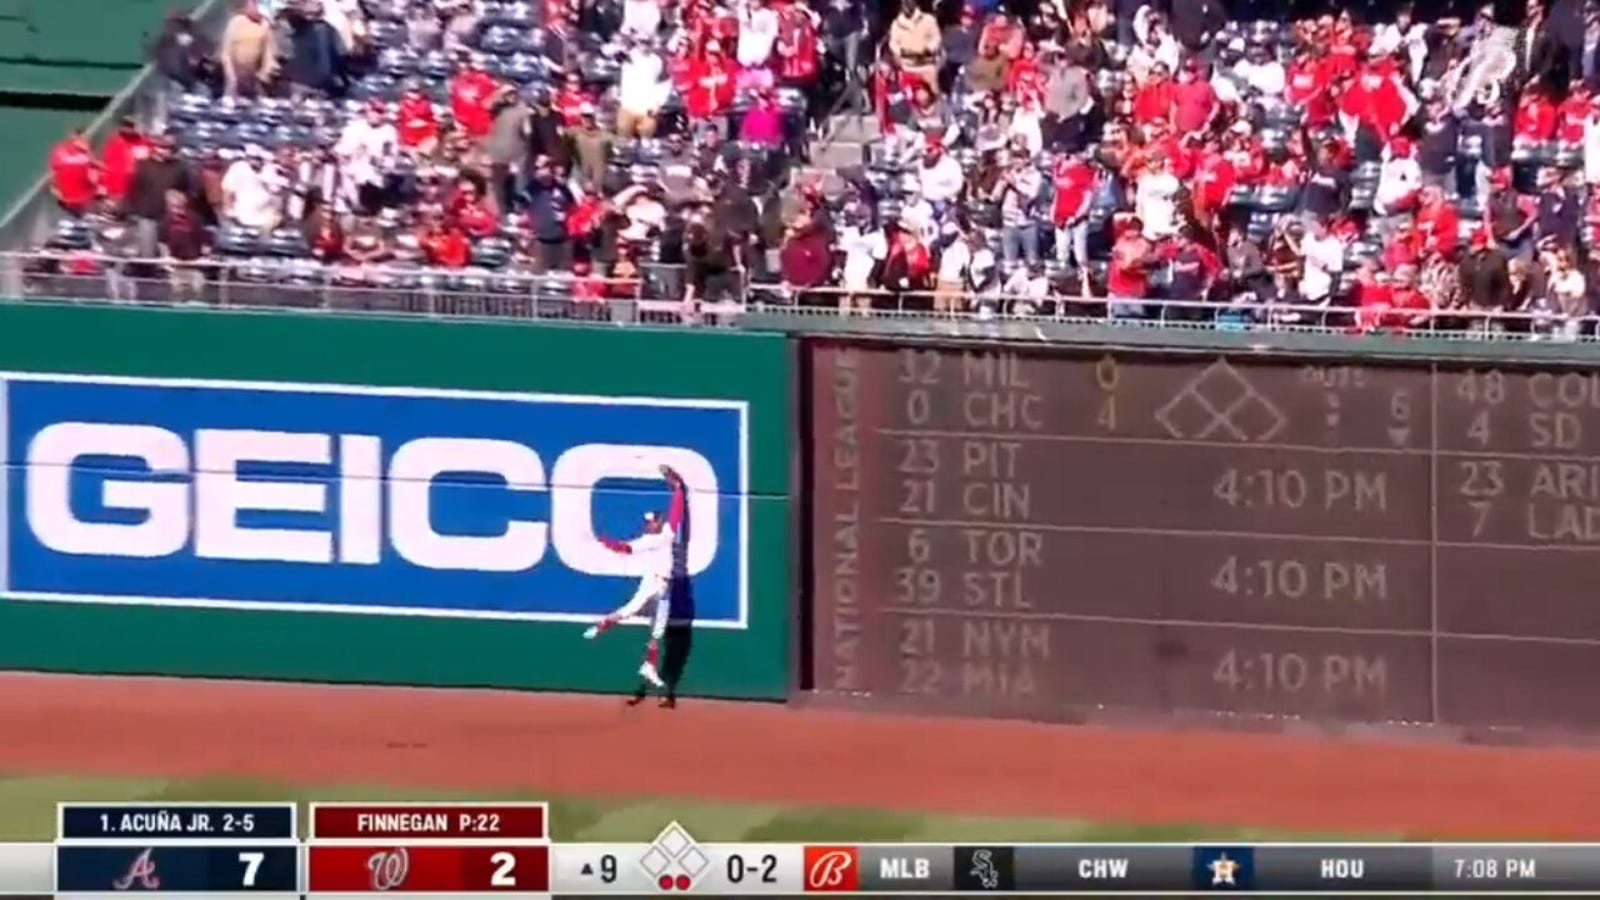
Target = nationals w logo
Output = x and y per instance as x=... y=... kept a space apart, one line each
x=141 y=874
x=389 y=868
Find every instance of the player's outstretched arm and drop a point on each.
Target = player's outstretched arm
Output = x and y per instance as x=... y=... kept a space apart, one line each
x=680 y=498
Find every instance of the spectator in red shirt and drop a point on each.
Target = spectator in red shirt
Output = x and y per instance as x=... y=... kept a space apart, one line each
x=1404 y=248
x=119 y=157
x=1574 y=112
x=1194 y=100
x=1025 y=80
x=1244 y=152
x=472 y=211
x=1155 y=99
x=1128 y=275
x=446 y=244
x=1075 y=185
x=1214 y=179
x=1438 y=222
x=471 y=93
x=1308 y=84
x=74 y=173
x=571 y=99
x=416 y=122
x=796 y=50
x=806 y=260
x=587 y=287
x=1535 y=119
x=1373 y=296
x=713 y=81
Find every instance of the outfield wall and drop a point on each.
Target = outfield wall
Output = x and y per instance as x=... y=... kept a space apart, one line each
x=389 y=501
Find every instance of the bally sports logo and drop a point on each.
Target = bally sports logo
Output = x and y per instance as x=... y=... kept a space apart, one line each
x=832 y=869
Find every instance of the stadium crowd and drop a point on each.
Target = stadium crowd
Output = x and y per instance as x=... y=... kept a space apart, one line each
x=1089 y=157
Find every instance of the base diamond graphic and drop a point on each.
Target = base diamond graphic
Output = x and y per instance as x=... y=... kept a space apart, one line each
x=694 y=862
x=1221 y=404
x=655 y=862
x=673 y=840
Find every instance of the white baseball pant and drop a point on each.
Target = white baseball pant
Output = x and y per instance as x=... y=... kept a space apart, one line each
x=652 y=590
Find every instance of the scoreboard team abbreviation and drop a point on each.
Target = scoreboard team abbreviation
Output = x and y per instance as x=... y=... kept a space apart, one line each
x=503 y=850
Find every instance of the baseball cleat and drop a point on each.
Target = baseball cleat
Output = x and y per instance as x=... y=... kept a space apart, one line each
x=589 y=634
x=638 y=696
x=669 y=702
x=648 y=672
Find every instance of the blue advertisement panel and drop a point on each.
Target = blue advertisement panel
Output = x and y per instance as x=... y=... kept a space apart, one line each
x=268 y=495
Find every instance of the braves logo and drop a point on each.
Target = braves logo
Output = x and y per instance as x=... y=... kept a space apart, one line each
x=141 y=874
x=830 y=870
x=389 y=868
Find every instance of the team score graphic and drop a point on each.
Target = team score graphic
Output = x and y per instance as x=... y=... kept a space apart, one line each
x=181 y=868
x=832 y=869
x=434 y=868
x=608 y=869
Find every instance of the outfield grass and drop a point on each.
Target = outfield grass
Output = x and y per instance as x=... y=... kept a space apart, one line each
x=27 y=812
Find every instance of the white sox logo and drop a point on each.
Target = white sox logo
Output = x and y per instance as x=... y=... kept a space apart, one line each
x=829 y=870
x=389 y=868
x=141 y=874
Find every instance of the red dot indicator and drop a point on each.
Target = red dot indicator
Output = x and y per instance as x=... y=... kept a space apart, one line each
x=665 y=881
x=683 y=882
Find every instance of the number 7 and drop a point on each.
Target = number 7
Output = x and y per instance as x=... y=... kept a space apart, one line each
x=252 y=864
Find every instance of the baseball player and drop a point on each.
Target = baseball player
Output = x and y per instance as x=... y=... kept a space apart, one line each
x=661 y=560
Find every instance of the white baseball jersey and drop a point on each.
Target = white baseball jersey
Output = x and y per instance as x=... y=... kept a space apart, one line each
x=654 y=552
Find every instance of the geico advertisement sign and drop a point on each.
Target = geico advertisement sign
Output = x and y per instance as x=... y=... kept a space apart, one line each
x=361 y=499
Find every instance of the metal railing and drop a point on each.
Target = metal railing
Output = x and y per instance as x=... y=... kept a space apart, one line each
x=660 y=295
x=29 y=221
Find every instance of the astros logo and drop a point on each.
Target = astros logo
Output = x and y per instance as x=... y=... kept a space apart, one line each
x=832 y=869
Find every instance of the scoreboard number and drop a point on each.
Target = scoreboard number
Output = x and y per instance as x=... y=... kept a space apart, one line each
x=251 y=861
x=608 y=868
x=738 y=869
x=505 y=867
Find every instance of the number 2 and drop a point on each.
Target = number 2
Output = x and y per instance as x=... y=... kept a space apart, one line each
x=504 y=865
x=252 y=865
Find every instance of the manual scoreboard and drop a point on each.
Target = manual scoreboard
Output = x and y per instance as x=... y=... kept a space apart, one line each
x=503 y=850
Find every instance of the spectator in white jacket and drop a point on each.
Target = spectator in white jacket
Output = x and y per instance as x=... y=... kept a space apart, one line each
x=641 y=19
x=642 y=90
x=1323 y=253
x=1591 y=144
x=940 y=175
x=758 y=33
x=366 y=147
x=1398 y=181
